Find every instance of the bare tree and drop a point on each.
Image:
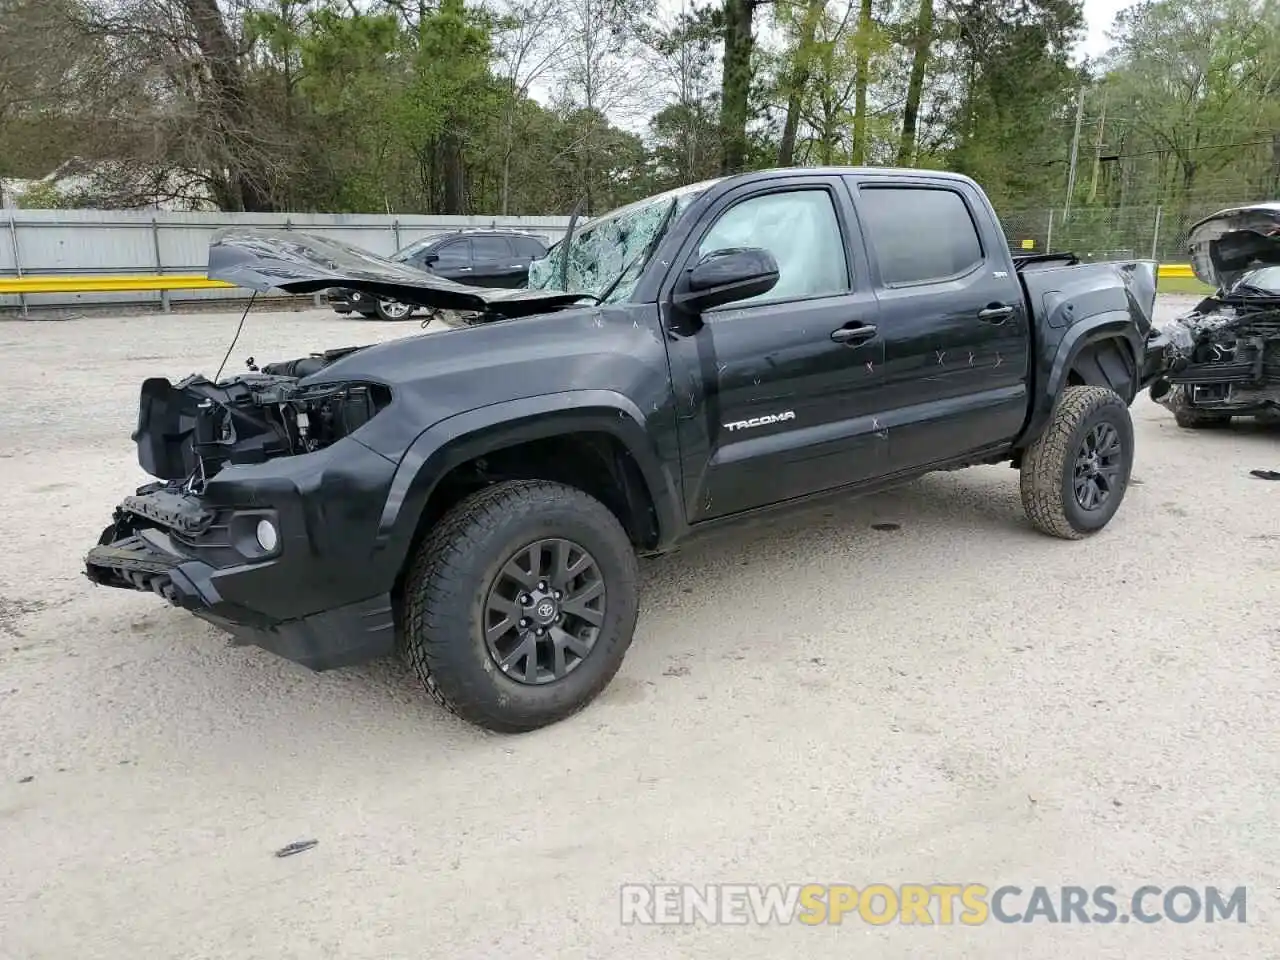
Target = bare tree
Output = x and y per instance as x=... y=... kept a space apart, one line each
x=531 y=40
x=598 y=75
x=183 y=98
x=921 y=42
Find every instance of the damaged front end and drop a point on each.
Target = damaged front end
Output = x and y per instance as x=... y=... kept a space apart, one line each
x=258 y=476
x=188 y=431
x=1222 y=359
x=263 y=489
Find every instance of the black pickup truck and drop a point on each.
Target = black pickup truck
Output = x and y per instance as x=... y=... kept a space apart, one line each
x=477 y=498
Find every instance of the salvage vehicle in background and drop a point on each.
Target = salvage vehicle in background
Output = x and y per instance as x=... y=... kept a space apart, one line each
x=479 y=258
x=477 y=498
x=1223 y=356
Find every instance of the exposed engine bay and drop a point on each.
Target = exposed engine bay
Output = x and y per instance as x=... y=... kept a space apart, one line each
x=1222 y=358
x=190 y=430
x=1224 y=355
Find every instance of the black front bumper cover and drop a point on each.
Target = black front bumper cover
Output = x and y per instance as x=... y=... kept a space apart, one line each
x=148 y=560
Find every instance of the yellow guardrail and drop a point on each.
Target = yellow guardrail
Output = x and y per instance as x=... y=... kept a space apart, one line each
x=128 y=283
x=138 y=283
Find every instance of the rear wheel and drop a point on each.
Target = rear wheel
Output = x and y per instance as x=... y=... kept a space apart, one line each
x=394 y=310
x=521 y=604
x=1076 y=473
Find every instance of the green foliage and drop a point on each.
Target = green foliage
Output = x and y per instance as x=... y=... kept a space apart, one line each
x=1010 y=125
x=530 y=106
x=1199 y=87
x=44 y=196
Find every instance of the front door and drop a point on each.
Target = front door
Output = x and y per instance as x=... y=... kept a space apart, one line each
x=953 y=320
x=452 y=261
x=777 y=394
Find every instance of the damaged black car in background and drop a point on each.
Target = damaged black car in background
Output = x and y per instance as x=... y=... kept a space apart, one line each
x=1223 y=358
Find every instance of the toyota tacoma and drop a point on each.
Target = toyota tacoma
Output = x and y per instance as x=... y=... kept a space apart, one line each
x=476 y=499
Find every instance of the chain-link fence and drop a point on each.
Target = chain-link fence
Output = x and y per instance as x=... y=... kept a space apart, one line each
x=1093 y=233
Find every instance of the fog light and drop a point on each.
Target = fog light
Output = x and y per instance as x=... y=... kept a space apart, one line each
x=355 y=296
x=268 y=538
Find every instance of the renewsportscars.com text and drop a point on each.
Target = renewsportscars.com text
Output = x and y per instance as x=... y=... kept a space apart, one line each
x=970 y=904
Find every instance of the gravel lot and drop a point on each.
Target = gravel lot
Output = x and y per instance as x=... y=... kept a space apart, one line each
x=807 y=700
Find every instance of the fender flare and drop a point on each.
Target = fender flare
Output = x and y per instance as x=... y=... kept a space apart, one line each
x=465 y=436
x=1112 y=325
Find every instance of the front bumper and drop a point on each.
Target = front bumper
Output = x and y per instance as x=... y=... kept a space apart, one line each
x=149 y=560
x=1236 y=387
x=346 y=301
x=320 y=596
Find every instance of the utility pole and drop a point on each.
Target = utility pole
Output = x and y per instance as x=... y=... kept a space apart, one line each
x=1097 y=149
x=1075 y=154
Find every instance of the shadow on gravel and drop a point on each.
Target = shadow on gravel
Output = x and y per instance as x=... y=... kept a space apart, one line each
x=780 y=546
x=276 y=699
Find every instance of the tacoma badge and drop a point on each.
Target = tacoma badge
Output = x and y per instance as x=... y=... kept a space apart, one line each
x=761 y=421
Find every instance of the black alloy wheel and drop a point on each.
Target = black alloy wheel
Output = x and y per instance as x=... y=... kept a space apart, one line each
x=1074 y=475
x=520 y=604
x=1098 y=466
x=544 y=610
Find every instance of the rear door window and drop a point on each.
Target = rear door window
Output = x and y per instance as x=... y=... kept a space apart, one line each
x=529 y=247
x=490 y=248
x=919 y=234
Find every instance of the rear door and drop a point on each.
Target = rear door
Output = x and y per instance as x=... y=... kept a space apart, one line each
x=953 y=319
x=528 y=249
x=780 y=390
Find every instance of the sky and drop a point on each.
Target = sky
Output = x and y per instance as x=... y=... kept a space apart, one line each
x=1099 y=15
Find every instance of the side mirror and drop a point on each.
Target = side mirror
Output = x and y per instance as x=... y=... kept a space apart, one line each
x=430 y=258
x=726 y=276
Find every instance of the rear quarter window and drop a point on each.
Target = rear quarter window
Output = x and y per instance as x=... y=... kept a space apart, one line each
x=919 y=234
x=529 y=247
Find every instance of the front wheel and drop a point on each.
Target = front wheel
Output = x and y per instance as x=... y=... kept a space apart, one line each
x=521 y=604
x=1076 y=473
x=394 y=310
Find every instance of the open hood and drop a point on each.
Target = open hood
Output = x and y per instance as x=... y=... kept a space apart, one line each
x=1227 y=244
x=262 y=260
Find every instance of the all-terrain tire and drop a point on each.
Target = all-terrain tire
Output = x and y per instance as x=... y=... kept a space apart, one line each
x=1189 y=418
x=449 y=580
x=1048 y=466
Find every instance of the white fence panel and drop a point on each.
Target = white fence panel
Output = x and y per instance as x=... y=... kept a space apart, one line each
x=88 y=242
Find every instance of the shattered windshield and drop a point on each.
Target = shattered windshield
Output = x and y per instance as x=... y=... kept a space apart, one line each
x=607 y=254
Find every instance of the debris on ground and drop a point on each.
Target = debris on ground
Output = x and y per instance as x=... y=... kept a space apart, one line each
x=296 y=847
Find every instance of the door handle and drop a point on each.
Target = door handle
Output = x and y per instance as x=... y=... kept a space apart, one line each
x=853 y=332
x=996 y=313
